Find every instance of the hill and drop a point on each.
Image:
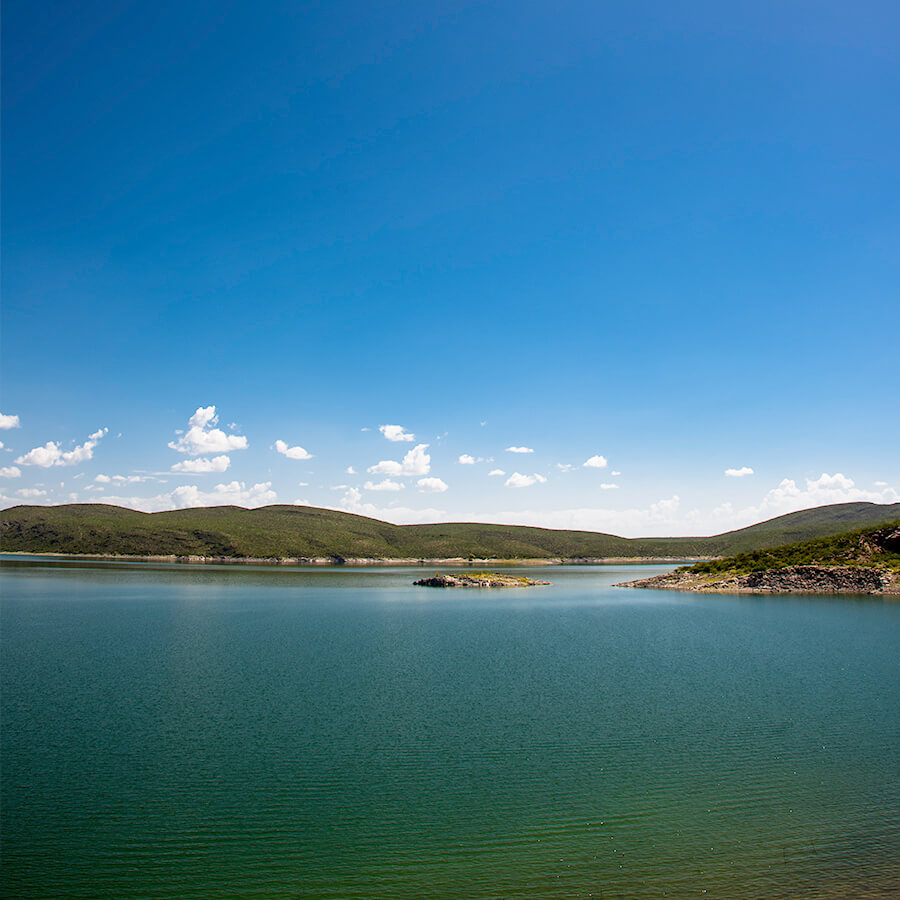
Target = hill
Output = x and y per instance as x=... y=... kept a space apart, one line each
x=865 y=561
x=304 y=532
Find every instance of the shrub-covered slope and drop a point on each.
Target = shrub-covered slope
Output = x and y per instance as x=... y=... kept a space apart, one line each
x=302 y=531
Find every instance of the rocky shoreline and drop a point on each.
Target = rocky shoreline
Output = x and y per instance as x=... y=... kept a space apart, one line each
x=456 y=561
x=857 y=580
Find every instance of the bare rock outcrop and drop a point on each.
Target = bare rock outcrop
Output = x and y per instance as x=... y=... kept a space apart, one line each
x=787 y=580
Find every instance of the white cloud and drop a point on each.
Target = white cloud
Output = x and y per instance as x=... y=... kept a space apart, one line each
x=739 y=473
x=432 y=485
x=416 y=462
x=203 y=464
x=607 y=486
x=466 y=460
x=519 y=450
x=517 y=480
x=351 y=470
x=10 y=472
x=291 y=452
x=203 y=439
x=302 y=484
x=9 y=422
x=595 y=462
x=384 y=485
x=789 y=497
x=659 y=518
x=103 y=479
x=31 y=492
x=396 y=433
x=881 y=484
x=399 y=515
x=205 y=415
x=615 y=473
x=52 y=455
x=496 y=472
x=235 y=493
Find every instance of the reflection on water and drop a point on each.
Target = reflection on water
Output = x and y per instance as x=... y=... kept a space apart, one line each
x=234 y=732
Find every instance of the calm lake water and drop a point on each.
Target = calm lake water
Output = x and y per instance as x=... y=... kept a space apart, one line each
x=175 y=732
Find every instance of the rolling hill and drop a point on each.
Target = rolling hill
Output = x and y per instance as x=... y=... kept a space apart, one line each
x=290 y=532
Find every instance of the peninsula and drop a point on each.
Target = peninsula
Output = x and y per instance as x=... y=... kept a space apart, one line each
x=866 y=561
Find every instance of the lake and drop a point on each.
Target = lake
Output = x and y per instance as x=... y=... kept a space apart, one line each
x=197 y=732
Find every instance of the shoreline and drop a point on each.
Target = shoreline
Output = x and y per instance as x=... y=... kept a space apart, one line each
x=357 y=562
x=860 y=581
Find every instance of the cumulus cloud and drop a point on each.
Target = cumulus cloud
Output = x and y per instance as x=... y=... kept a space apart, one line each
x=203 y=464
x=518 y=480
x=123 y=479
x=789 y=496
x=10 y=472
x=351 y=470
x=615 y=473
x=384 y=485
x=416 y=462
x=565 y=467
x=399 y=515
x=660 y=518
x=608 y=486
x=496 y=472
x=235 y=493
x=519 y=450
x=595 y=462
x=396 y=433
x=7 y=421
x=31 y=492
x=739 y=473
x=291 y=452
x=51 y=454
x=202 y=438
x=432 y=485
x=466 y=460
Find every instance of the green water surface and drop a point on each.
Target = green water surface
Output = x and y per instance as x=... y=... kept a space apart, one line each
x=188 y=732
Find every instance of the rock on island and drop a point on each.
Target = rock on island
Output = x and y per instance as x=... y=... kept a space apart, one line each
x=478 y=580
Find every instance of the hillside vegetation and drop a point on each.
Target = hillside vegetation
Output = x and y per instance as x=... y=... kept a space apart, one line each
x=879 y=548
x=864 y=561
x=290 y=532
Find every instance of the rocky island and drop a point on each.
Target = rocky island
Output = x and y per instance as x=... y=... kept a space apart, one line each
x=858 y=562
x=478 y=580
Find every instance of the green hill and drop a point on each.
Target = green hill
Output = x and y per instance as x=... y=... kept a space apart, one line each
x=309 y=532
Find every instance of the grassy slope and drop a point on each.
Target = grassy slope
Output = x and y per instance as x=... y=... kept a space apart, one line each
x=290 y=531
x=877 y=547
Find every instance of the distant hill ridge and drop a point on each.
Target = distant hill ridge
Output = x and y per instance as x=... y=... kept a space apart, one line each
x=305 y=532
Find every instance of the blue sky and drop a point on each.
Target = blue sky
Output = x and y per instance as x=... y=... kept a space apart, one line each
x=663 y=235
